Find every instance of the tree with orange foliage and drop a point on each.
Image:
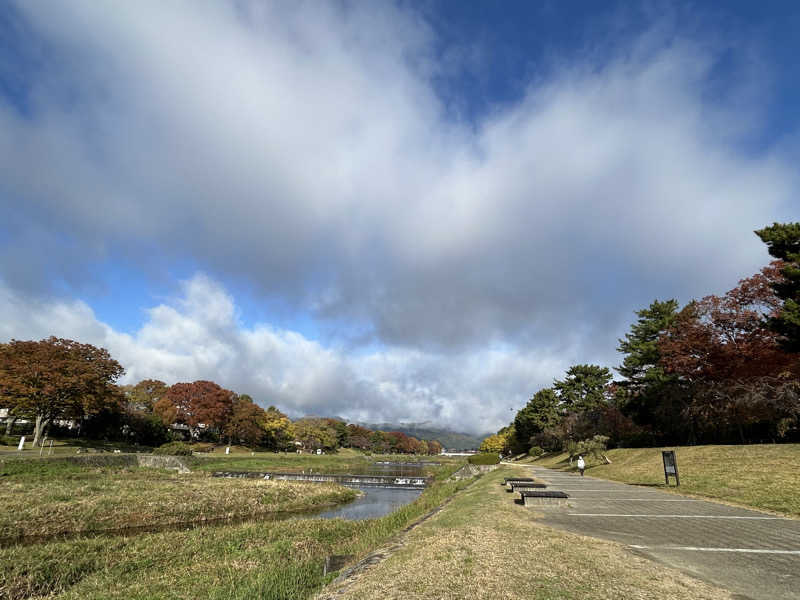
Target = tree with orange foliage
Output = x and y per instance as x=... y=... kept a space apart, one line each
x=434 y=447
x=198 y=405
x=55 y=379
x=245 y=425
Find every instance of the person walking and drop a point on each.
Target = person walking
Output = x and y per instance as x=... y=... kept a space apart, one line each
x=581 y=464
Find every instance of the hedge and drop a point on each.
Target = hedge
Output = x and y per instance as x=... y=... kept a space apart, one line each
x=484 y=459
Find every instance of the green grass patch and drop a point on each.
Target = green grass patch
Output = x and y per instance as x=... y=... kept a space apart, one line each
x=276 y=560
x=66 y=496
x=763 y=476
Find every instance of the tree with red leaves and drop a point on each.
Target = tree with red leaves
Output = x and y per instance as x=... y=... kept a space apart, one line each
x=726 y=356
x=723 y=338
x=55 y=379
x=198 y=405
x=246 y=423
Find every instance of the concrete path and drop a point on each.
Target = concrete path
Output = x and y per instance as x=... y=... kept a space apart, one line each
x=753 y=554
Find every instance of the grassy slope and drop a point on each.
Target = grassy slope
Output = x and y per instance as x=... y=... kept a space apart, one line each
x=275 y=560
x=761 y=476
x=483 y=545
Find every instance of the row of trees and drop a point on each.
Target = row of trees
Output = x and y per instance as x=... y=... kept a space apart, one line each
x=723 y=369
x=55 y=380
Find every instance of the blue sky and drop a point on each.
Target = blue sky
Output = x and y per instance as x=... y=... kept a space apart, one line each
x=415 y=211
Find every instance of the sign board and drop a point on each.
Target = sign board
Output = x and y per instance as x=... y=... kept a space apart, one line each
x=670 y=466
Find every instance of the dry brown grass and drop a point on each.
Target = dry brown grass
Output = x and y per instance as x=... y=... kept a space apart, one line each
x=99 y=500
x=483 y=545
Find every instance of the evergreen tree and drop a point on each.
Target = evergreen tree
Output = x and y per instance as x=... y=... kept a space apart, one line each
x=540 y=412
x=783 y=242
x=640 y=367
x=583 y=388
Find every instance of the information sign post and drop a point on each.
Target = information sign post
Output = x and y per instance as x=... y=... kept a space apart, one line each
x=670 y=466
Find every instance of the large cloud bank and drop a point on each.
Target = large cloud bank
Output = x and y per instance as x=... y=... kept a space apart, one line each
x=198 y=333
x=302 y=148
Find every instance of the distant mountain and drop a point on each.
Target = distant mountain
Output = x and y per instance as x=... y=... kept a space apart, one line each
x=448 y=439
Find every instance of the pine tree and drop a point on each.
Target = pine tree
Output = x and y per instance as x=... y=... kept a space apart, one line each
x=584 y=387
x=640 y=366
x=540 y=412
x=783 y=242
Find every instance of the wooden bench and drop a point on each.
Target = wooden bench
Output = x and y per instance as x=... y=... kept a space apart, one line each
x=543 y=497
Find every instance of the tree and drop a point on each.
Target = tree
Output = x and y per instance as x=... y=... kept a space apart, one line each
x=783 y=243
x=434 y=447
x=198 y=405
x=540 y=412
x=342 y=433
x=641 y=367
x=57 y=378
x=358 y=436
x=246 y=422
x=279 y=432
x=143 y=396
x=584 y=387
x=315 y=434
x=496 y=444
x=727 y=337
x=500 y=442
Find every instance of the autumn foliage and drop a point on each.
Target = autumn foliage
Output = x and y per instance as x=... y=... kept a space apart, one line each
x=57 y=379
x=200 y=404
x=726 y=337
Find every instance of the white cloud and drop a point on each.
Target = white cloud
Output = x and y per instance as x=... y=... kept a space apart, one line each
x=301 y=148
x=197 y=336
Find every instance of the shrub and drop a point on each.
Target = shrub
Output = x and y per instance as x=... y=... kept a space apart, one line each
x=535 y=451
x=484 y=459
x=9 y=440
x=203 y=448
x=174 y=449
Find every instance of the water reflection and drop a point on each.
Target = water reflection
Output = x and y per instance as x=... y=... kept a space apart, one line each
x=375 y=502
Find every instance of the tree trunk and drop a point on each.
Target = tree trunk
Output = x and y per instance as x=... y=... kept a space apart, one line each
x=41 y=423
x=10 y=424
x=37 y=430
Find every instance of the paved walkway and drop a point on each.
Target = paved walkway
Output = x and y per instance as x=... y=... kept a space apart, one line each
x=753 y=554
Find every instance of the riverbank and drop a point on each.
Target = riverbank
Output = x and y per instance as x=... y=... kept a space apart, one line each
x=484 y=545
x=277 y=559
x=763 y=476
x=50 y=498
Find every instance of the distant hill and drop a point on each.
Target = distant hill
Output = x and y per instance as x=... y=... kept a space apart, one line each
x=448 y=439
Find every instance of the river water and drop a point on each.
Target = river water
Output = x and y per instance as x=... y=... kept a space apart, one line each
x=375 y=502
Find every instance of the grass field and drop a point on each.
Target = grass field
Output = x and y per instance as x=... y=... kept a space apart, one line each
x=268 y=559
x=483 y=545
x=345 y=460
x=764 y=476
x=42 y=498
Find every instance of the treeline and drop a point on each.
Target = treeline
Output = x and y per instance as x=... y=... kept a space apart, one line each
x=57 y=383
x=723 y=369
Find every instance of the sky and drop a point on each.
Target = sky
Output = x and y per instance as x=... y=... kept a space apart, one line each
x=415 y=211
